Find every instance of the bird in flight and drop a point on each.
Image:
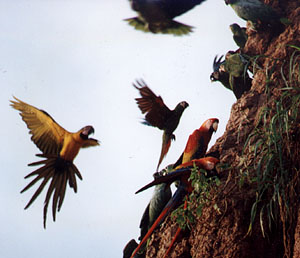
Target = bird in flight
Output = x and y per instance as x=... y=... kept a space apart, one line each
x=159 y=115
x=59 y=148
x=157 y=16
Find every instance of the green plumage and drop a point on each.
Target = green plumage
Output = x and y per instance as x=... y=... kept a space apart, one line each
x=239 y=35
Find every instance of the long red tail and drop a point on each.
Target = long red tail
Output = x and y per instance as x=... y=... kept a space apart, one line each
x=177 y=197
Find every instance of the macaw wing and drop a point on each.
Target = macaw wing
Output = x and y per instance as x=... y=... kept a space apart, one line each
x=154 y=107
x=174 y=8
x=144 y=222
x=195 y=147
x=46 y=133
x=137 y=23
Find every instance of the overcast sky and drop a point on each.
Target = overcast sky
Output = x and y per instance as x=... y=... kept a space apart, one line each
x=77 y=60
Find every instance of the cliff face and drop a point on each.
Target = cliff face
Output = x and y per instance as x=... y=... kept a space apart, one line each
x=258 y=198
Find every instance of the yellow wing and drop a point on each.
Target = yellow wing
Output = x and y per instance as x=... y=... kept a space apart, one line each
x=46 y=133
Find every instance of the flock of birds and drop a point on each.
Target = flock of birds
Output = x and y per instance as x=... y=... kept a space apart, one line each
x=59 y=147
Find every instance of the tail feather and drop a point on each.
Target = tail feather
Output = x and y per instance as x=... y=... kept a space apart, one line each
x=59 y=172
x=166 y=143
x=177 y=197
x=168 y=179
x=62 y=191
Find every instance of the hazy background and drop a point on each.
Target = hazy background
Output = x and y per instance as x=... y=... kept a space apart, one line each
x=77 y=60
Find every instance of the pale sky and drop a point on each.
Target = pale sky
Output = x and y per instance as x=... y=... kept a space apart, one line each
x=77 y=60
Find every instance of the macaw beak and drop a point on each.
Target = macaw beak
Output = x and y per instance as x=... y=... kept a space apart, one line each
x=86 y=131
x=215 y=126
x=213 y=77
x=184 y=104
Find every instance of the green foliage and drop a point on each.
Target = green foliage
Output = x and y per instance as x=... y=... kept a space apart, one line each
x=269 y=148
x=193 y=204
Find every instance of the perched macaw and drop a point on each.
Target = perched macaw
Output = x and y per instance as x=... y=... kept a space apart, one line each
x=59 y=147
x=239 y=35
x=198 y=141
x=157 y=16
x=232 y=73
x=161 y=195
x=256 y=12
x=159 y=115
x=182 y=174
x=219 y=74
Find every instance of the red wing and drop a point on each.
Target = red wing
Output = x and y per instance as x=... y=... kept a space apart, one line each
x=156 y=111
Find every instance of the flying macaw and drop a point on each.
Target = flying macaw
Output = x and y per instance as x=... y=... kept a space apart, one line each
x=256 y=12
x=157 y=16
x=239 y=35
x=232 y=73
x=182 y=173
x=198 y=141
x=59 y=147
x=159 y=115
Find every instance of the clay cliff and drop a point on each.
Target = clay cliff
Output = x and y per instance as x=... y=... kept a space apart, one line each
x=254 y=211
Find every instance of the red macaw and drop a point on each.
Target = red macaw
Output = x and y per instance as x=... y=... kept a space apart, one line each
x=59 y=147
x=159 y=115
x=182 y=174
x=198 y=141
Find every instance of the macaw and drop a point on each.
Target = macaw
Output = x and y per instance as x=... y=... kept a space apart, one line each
x=157 y=16
x=232 y=73
x=59 y=147
x=219 y=74
x=239 y=35
x=159 y=115
x=198 y=141
x=255 y=11
x=161 y=195
x=182 y=173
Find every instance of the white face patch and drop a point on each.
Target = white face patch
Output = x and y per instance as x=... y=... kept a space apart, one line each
x=215 y=126
x=209 y=165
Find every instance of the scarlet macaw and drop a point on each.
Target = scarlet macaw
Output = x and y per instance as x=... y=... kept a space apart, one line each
x=198 y=141
x=59 y=147
x=157 y=16
x=182 y=174
x=159 y=115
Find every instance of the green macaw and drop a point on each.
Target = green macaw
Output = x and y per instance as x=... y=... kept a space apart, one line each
x=239 y=35
x=232 y=73
x=157 y=16
x=159 y=115
x=255 y=11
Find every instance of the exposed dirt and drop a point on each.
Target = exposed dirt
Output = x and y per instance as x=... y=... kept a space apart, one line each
x=224 y=234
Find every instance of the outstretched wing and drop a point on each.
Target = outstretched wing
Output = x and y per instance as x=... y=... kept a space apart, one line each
x=156 y=111
x=174 y=8
x=46 y=133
